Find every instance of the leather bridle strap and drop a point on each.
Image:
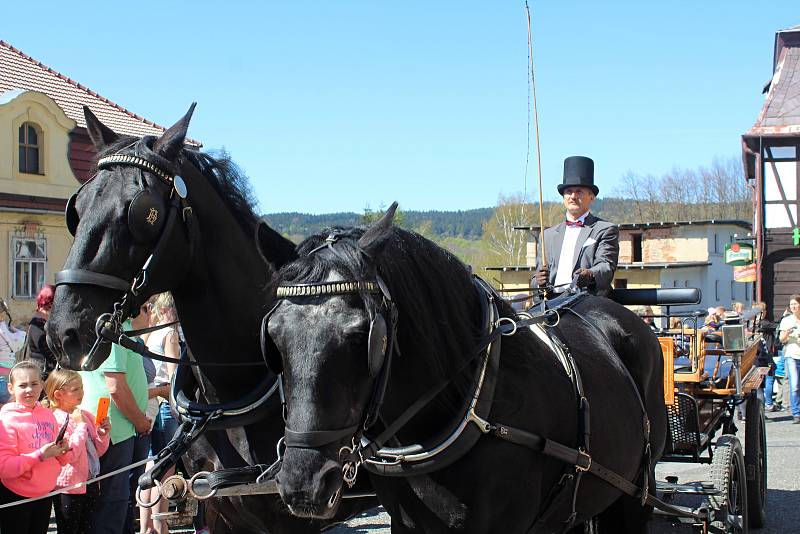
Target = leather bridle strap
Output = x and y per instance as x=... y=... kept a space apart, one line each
x=313 y=439
x=138 y=346
x=84 y=277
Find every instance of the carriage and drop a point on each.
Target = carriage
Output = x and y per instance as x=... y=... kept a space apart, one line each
x=709 y=380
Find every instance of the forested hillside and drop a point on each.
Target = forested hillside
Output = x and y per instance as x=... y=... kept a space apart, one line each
x=487 y=236
x=466 y=224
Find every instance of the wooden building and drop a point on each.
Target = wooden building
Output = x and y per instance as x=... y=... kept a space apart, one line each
x=45 y=154
x=771 y=156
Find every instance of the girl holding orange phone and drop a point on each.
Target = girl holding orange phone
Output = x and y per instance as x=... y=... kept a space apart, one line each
x=88 y=441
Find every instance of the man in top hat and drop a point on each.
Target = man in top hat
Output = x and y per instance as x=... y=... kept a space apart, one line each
x=582 y=245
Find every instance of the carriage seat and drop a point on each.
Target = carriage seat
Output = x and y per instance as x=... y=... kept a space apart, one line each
x=711 y=337
x=684 y=365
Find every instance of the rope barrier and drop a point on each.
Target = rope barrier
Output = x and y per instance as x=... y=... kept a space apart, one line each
x=78 y=484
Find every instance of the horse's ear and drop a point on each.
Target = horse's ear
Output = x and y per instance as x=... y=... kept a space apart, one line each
x=273 y=248
x=377 y=235
x=101 y=135
x=169 y=145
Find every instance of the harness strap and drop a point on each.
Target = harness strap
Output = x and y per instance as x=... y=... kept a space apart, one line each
x=149 y=329
x=317 y=438
x=583 y=462
x=91 y=278
x=138 y=346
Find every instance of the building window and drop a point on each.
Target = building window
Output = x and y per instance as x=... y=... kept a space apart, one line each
x=674 y=283
x=733 y=290
x=621 y=283
x=716 y=290
x=636 y=246
x=685 y=283
x=30 y=149
x=30 y=265
x=716 y=244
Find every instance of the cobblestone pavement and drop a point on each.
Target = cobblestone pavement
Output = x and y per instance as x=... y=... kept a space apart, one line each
x=783 y=485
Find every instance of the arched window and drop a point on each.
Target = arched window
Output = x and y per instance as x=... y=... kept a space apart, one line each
x=30 y=149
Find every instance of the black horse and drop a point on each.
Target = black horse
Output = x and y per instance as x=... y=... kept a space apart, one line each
x=217 y=276
x=331 y=303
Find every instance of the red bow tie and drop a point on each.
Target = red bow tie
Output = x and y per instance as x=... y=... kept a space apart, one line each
x=574 y=223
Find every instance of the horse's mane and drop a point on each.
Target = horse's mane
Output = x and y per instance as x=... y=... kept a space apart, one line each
x=438 y=306
x=230 y=183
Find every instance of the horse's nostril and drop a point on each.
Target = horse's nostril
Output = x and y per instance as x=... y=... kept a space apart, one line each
x=71 y=342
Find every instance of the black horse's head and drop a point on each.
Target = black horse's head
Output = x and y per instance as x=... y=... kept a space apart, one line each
x=330 y=329
x=118 y=218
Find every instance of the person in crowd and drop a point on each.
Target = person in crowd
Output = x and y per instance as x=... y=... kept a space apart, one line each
x=122 y=378
x=776 y=389
x=646 y=313
x=738 y=307
x=583 y=245
x=30 y=457
x=74 y=507
x=711 y=323
x=38 y=349
x=789 y=335
x=719 y=311
x=164 y=342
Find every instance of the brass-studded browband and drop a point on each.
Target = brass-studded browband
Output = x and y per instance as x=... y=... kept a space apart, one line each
x=136 y=161
x=331 y=288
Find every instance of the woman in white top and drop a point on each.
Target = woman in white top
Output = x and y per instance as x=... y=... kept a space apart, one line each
x=164 y=342
x=790 y=337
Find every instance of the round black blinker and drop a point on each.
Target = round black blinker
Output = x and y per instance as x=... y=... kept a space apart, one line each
x=71 y=214
x=146 y=216
x=378 y=340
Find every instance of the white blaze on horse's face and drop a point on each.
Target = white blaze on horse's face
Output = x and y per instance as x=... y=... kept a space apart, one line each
x=323 y=343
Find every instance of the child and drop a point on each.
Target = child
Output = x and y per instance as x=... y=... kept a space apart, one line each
x=30 y=460
x=74 y=507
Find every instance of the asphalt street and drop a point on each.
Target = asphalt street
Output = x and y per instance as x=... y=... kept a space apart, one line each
x=783 y=485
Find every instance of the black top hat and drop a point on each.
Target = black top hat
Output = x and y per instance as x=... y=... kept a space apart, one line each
x=578 y=170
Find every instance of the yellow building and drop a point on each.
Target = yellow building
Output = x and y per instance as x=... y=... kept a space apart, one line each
x=45 y=154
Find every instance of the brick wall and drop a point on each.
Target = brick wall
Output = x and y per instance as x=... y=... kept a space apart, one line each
x=664 y=245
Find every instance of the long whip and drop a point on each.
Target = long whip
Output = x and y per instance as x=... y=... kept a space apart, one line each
x=538 y=149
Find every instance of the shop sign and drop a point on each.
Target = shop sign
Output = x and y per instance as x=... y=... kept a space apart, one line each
x=738 y=254
x=745 y=273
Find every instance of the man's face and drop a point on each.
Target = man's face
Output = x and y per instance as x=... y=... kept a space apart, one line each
x=578 y=200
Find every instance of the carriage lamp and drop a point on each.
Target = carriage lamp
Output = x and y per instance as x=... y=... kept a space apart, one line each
x=733 y=343
x=733 y=337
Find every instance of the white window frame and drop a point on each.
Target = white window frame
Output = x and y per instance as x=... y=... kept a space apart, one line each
x=32 y=286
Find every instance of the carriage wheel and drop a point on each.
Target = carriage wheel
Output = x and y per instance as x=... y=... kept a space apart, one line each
x=755 y=459
x=728 y=476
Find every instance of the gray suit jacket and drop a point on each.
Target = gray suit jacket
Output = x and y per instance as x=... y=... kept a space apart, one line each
x=597 y=249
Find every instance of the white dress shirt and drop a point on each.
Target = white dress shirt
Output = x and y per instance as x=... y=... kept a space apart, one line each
x=566 y=260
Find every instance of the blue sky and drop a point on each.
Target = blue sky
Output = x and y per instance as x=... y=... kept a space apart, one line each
x=335 y=106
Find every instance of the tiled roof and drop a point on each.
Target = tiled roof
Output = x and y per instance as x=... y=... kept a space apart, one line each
x=20 y=71
x=780 y=113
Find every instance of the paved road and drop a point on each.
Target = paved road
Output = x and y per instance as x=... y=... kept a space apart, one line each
x=783 y=485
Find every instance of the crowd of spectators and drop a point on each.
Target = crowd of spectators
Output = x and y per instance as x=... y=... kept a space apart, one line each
x=55 y=436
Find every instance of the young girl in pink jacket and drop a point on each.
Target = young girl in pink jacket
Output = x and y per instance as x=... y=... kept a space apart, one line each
x=88 y=442
x=30 y=459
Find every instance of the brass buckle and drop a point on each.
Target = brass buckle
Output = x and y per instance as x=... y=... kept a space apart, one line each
x=588 y=458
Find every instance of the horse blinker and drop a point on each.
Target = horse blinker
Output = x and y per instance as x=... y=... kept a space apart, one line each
x=378 y=341
x=71 y=215
x=146 y=216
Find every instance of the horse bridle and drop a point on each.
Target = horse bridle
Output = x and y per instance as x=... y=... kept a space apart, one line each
x=146 y=221
x=381 y=347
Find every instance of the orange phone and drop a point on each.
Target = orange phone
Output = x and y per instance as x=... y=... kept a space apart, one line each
x=102 y=409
